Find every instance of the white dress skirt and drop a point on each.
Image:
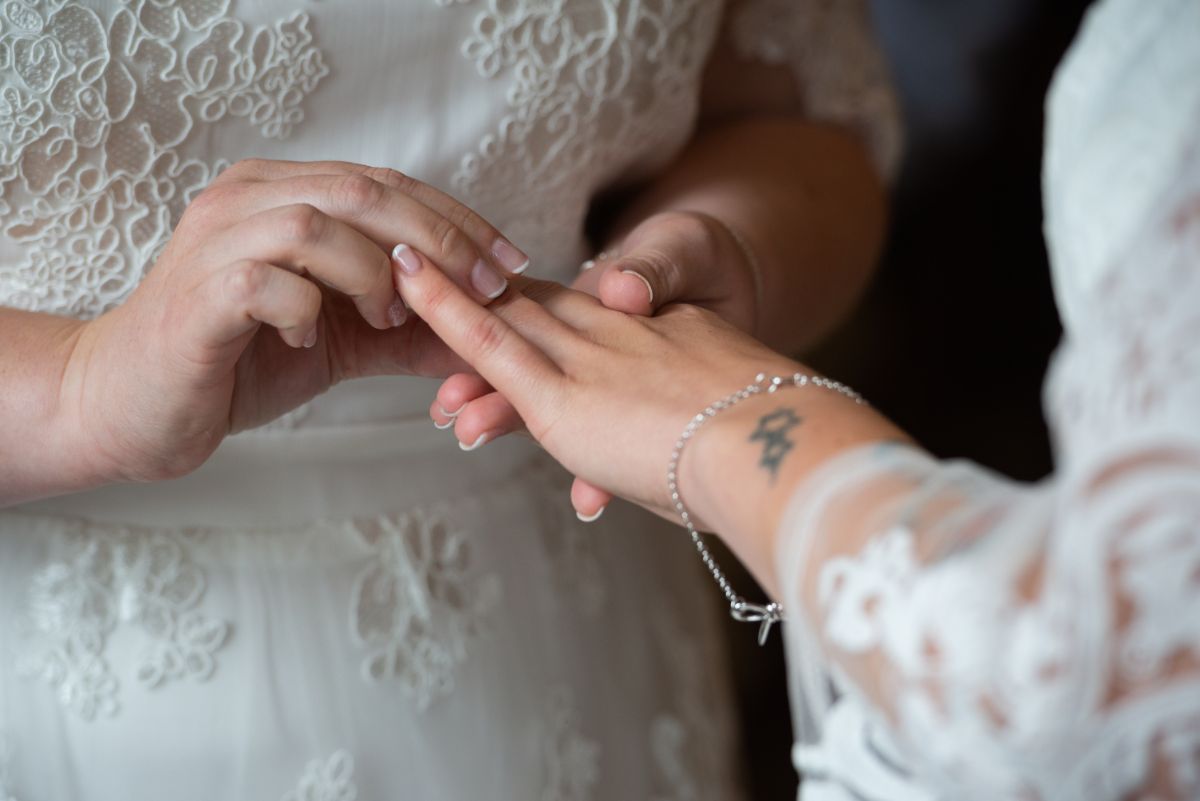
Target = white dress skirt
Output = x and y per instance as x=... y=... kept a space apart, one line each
x=343 y=605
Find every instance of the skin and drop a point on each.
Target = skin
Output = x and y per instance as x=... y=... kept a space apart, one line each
x=147 y=391
x=607 y=394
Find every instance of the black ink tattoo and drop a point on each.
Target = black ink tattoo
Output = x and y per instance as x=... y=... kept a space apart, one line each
x=773 y=431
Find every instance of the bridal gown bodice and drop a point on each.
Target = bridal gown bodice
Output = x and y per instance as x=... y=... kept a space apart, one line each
x=342 y=604
x=1027 y=643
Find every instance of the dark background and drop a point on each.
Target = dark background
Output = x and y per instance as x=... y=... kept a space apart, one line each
x=953 y=338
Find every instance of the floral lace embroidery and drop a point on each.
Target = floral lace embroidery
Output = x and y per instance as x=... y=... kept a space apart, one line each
x=686 y=738
x=591 y=82
x=95 y=115
x=419 y=603
x=571 y=760
x=575 y=565
x=120 y=577
x=326 y=780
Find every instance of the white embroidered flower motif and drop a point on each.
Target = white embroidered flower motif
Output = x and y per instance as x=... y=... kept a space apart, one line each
x=329 y=779
x=419 y=603
x=690 y=736
x=1161 y=575
x=571 y=760
x=590 y=82
x=95 y=117
x=120 y=577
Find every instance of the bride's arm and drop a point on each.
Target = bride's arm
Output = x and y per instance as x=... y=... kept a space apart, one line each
x=779 y=177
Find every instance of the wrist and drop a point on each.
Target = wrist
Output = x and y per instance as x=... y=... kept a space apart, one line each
x=742 y=468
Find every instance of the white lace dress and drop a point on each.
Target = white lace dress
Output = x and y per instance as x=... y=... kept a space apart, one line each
x=344 y=605
x=998 y=641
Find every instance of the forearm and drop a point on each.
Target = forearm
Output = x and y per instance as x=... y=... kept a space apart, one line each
x=738 y=479
x=805 y=202
x=40 y=452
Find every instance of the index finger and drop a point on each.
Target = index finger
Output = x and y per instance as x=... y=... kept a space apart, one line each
x=498 y=352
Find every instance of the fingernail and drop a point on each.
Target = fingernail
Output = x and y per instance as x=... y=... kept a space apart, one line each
x=487 y=281
x=397 y=314
x=409 y=261
x=452 y=414
x=592 y=518
x=311 y=339
x=444 y=426
x=482 y=439
x=643 y=279
x=587 y=265
x=509 y=257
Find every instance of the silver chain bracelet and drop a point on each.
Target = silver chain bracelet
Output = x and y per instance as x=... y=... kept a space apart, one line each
x=741 y=609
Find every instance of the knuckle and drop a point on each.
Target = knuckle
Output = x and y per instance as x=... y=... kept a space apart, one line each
x=462 y=217
x=245 y=168
x=389 y=177
x=301 y=223
x=244 y=281
x=357 y=193
x=486 y=336
x=208 y=207
x=448 y=238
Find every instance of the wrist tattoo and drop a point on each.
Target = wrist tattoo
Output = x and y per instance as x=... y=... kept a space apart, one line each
x=772 y=432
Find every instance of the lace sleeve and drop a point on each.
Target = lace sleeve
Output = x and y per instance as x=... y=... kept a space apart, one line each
x=1039 y=641
x=830 y=48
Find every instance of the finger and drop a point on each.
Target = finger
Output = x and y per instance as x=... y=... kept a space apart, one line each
x=589 y=500
x=486 y=420
x=500 y=353
x=577 y=309
x=385 y=215
x=307 y=241
x=456 y=392
x=235 y=300
x=487 y=238
x=670 y=257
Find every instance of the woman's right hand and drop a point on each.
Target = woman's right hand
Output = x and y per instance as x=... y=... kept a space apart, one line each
x=153 y=386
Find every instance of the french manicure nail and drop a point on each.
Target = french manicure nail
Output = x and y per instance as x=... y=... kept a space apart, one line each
x=487 y=281
x=482 y=439
x=409 y=261
x=444 y=426
x=592 y=518
x=397 y=313
x=643 y=279
x=452 y=414
x=311 y=338
x=509 y=257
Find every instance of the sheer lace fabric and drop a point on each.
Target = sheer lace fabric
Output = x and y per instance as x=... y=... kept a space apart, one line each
x=993 y=640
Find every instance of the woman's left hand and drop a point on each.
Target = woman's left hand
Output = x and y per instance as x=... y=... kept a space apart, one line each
x=606 y=393
x=671 y=257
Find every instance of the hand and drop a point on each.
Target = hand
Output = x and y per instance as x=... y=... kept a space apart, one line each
x=604 y=392
x=676 y=257
x=302 y=248
x=672 y=257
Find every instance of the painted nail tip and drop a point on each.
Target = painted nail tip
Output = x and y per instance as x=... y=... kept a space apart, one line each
x=443 y=426
x=396 y=251
x=592 y=518
x=452 y=414
x=522 y=268
x=495 y=293
x=482 y=439
x=643 y=279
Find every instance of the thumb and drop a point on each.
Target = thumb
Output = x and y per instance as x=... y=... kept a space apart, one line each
x=673 y=257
